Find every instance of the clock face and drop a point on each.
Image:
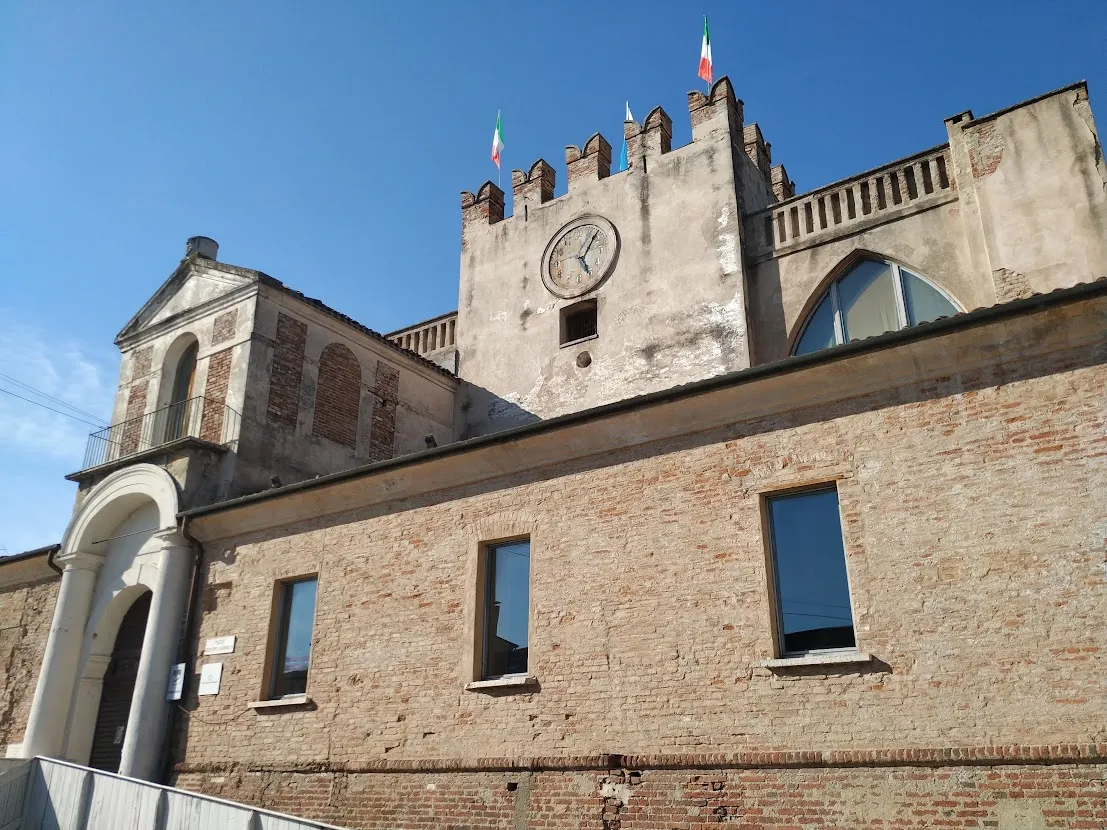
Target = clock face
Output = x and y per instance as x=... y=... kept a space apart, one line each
x=580 y=256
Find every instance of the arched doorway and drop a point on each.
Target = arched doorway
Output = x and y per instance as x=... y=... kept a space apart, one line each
x=122 y=544
x=119 y=688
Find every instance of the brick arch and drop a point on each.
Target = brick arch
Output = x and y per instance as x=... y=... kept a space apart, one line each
x=338 y=395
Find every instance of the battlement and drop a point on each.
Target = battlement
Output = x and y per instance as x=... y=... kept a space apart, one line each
x=536 y=185
x=713 y=114
x=486 y=207
x=590 y=164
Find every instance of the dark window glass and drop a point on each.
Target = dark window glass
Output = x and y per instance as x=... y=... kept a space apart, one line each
x=578 y=322
x=810 y=566
x=293 y=652
x=507 y=609
x=819 y=333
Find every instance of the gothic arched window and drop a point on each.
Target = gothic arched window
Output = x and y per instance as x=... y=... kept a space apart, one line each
x=872 y=297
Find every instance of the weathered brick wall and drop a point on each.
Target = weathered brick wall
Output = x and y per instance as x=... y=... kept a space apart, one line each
x=338 y=395
x=974 y=535
x=223 y=327
x=215 y=396
x=382 y=431
x=25 y=615
x=288 y=369
x=1010 y=797
x=131 y=435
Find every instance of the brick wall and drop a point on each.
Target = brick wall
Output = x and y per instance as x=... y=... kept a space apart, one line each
x=215 y=396
x=974 y=536
x=1015 y=797
x=131 y=435
x=338 y=395
x=223 y=327
x=287 y=371
x=382 y=432
x=25 y=615
x=141 y=360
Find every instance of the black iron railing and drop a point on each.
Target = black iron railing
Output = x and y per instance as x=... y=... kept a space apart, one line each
x=201 y=418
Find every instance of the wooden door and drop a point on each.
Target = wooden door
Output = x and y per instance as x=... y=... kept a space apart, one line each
x=119 y=688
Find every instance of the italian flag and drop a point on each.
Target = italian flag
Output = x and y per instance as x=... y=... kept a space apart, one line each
x=497 y=141
x=705 y=54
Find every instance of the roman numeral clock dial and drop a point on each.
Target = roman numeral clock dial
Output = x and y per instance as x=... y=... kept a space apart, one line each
x=580 y=256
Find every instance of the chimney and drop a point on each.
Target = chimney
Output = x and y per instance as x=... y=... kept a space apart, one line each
x=202 y=246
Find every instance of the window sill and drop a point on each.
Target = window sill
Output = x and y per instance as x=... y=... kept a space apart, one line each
x=577 y=342
x=821 y=658
x=509 y=682
x=280 y=703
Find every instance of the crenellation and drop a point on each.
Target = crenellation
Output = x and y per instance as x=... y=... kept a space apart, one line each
x=657 y=132
x=536 y=185
x=758 y=150
x=632 y=134
x=590 y=164
x=783 y=187
x=486 y=207
x=705 y=109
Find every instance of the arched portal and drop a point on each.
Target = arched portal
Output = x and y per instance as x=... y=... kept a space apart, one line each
x=119 y=687
x=122 y=545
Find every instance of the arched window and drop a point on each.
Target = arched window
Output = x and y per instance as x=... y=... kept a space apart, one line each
x=178 y=382
x=872 y=297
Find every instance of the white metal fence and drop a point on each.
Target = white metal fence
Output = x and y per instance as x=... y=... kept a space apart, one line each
x=44 y=794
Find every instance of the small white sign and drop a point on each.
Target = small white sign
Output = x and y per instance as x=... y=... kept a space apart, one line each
x=210 y=675
x=219 y=645
x=176 y=682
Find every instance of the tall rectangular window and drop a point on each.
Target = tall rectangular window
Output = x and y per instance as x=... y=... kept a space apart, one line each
x=809 y=565
x=506 y=609
x=292 y=652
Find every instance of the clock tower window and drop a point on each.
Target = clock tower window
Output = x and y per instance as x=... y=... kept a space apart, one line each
x=578 y=322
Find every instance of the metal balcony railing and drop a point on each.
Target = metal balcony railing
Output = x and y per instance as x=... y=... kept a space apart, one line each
x=201 y=418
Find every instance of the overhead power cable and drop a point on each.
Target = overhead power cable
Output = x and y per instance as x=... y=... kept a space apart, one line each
x=44 y=406
x=51 y=398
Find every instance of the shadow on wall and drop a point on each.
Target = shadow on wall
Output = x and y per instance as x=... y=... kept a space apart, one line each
x=766 y=309
x=480 y=412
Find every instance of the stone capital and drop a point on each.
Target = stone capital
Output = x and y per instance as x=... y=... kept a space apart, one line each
x=170 y=538
x=80 y=560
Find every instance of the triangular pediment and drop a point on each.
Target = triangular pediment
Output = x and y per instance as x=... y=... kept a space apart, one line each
x=196 y=282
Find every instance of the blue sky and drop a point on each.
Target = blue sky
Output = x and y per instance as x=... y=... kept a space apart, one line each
x=325 y=144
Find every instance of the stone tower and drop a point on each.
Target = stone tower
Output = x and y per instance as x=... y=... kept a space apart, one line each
x=670 y=304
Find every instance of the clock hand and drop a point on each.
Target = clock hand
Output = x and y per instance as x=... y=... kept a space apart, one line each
x=588 y=246
x=584 y=265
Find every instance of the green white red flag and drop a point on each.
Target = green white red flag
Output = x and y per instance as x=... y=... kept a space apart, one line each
x=497 y=141
x=706 y=69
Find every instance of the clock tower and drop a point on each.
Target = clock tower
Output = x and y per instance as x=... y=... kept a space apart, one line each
x=628 y=283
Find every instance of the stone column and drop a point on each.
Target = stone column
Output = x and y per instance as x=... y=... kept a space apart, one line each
x=146 y=724
x=57 y=680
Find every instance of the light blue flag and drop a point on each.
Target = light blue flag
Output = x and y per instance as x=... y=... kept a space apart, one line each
x=624 y=162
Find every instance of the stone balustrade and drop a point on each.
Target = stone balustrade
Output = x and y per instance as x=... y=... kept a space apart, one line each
x=428 y=337
x=888 y=192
